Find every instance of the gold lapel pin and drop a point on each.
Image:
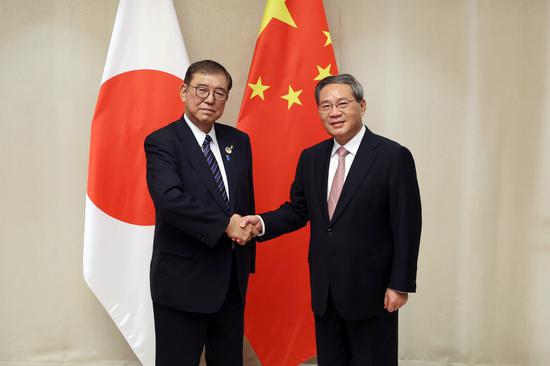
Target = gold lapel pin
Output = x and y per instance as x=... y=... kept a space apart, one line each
x=229 y=149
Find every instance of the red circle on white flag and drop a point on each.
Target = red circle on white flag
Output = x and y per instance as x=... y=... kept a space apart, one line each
x=129 y=107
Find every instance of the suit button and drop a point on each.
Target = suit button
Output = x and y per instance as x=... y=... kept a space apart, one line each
x=329 y=231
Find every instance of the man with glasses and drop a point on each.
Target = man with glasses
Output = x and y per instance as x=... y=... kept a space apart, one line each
x=199 y=175
x=360 y=194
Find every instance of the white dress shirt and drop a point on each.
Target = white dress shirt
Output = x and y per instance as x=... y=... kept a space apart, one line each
x=352 y=146
x=214 y=147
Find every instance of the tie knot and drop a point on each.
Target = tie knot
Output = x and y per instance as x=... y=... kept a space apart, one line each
x=342 y=152
x=207 y=140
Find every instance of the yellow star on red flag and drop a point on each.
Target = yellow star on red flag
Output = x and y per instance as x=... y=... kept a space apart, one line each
x=258 y=88
x=323 y=72
x=329 y=39
x=276 y=9
x=293 y=97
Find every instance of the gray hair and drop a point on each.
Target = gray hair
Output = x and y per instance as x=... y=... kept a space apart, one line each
x=347 y=79
x=207 y=67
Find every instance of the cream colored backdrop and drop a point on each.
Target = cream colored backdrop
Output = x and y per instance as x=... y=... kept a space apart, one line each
x=464 y=84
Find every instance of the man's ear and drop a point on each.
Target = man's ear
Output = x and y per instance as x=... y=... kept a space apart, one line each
x=183 y=92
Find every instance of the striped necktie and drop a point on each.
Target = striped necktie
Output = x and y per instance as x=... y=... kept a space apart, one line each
x=215 y=169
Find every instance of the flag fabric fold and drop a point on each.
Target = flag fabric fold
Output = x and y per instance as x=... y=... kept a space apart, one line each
x=293 y=51
x=145 y=66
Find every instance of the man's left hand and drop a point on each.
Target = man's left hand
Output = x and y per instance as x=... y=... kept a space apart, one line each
x=394 y=300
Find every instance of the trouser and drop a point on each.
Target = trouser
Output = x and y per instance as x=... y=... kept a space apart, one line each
x=181 y=335
x=364 y=342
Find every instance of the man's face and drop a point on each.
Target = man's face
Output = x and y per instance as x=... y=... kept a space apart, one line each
x=204 y=111
x=340 y=113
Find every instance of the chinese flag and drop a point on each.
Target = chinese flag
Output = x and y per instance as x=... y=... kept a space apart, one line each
x=293 y=51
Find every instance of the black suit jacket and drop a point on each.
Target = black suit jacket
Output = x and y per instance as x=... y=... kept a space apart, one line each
x=192 y=255
x=372 y=241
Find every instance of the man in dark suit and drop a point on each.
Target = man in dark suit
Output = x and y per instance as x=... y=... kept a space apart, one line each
x=199 y=175
x=360 y=194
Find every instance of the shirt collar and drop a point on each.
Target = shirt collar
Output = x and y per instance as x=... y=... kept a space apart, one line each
x=353 y=145
x=199 y=135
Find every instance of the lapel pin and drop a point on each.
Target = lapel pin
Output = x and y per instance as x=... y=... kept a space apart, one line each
x=228 y=151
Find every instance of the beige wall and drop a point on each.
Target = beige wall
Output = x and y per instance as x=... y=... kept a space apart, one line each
x=464 y=84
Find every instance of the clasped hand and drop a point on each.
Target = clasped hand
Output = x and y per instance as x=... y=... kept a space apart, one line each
x=241 y=229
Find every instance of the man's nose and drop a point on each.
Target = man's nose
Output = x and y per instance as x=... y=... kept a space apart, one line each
x=210 y=98
x=334 y=111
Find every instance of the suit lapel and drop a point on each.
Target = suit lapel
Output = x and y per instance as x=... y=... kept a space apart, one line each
x=321 y=167
x=363 y=161
x=197 y=160
x=229 y=152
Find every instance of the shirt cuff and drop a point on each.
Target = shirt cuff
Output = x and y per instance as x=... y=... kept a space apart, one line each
x=401 y=292
x=262 y=232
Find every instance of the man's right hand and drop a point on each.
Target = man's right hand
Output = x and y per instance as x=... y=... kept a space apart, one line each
x=237 y=232
x=252 y=221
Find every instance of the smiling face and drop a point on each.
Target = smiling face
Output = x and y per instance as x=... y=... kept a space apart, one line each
x=343 y=119
x=203 y=112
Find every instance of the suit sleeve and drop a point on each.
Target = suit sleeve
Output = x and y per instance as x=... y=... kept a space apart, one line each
x=292 y=215
x=406 y=221
x=180 y=209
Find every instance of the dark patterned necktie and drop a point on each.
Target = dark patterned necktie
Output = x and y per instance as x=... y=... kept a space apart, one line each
x=215 y=169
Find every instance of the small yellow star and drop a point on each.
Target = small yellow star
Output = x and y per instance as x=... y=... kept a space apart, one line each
x=293 y=97
x=323 y=73
x=258 y=89
x=329 y=39
x=276 y=9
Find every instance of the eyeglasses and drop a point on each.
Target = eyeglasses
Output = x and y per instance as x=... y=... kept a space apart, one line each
x=204 y=92
x=341 y=106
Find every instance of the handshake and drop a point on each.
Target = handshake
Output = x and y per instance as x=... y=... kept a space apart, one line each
x=243 y=228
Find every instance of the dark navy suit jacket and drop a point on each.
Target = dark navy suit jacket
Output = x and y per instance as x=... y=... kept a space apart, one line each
x=372 y=241
x=192 y=255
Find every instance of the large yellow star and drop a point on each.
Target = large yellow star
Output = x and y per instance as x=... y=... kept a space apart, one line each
x=276 y=9
x=258 y=89
x=293 y=97
x=323 y=73
x=329 y=39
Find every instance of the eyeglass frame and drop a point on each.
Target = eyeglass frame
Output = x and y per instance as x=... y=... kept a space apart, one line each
x=323 y=107
x=210 y=91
